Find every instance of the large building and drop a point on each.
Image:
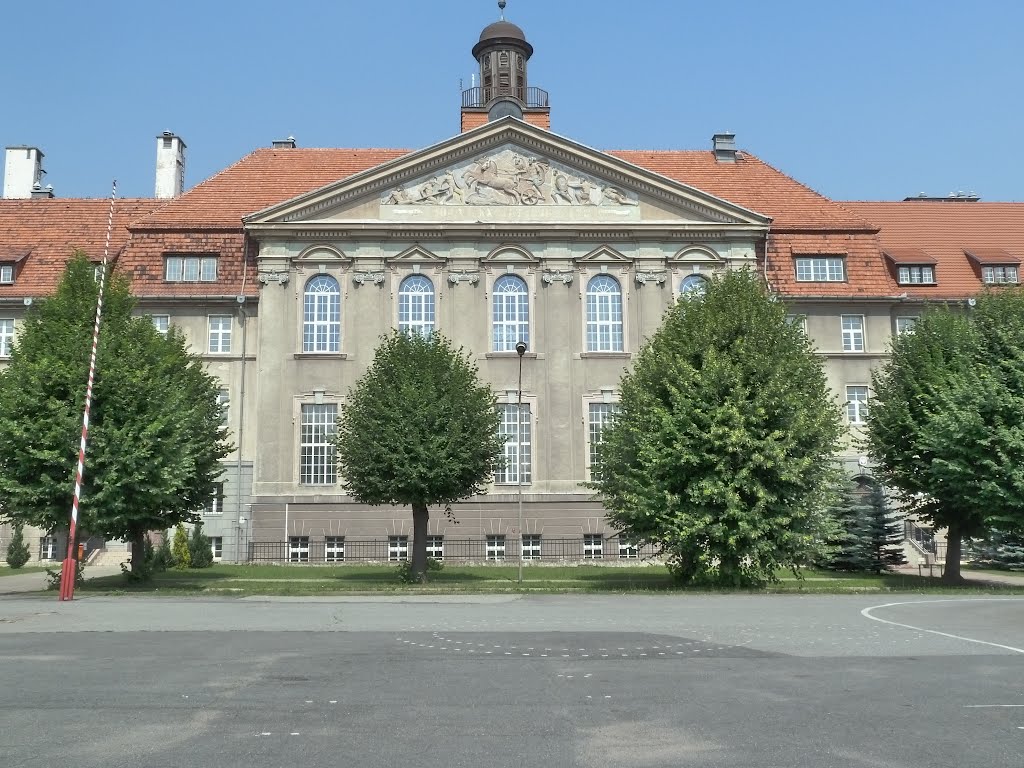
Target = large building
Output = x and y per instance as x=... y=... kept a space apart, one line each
x=284 y=269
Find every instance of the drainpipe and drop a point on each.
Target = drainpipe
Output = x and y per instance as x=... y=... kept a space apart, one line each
x=241 y=429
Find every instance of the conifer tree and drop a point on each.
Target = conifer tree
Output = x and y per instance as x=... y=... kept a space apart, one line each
x=18 y=552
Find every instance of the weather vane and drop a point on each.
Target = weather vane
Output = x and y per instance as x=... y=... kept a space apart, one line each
x=501 y=7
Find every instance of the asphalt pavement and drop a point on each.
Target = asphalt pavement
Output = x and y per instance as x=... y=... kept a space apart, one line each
x=776 y=681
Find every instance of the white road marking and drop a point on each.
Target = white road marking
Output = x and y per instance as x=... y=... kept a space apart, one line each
x=866 y=613
x=986 y=706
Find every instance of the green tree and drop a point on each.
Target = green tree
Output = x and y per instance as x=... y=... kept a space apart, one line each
x=722 y=452
x=199 y=551
x=885 y=532
x=18 y=552
x=851 y=544
x=946 y=425
x=869 y=537
x=180 y=551
x=999 y=550
x=419 y=429
x=155 y=435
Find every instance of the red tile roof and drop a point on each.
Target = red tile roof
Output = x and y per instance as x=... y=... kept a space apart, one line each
x=271 y=176
x=262 y=179
x=51 y=230
x=947 y=231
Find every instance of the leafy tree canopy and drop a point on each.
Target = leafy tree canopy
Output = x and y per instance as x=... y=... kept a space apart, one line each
x=418 y=429
x=946 y=425
x=155 y=435
x=722 y=452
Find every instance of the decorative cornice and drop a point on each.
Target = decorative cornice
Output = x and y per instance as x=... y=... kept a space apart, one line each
x=653 y=276
x=362 y=278
x=550 y=276
x=463 y=276
x=278 y=276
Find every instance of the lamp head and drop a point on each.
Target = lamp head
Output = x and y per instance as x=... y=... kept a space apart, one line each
x=520 y=348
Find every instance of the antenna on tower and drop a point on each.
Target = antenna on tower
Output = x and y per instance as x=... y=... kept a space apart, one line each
x=501 y=8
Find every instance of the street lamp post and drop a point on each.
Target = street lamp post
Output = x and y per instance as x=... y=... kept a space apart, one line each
x=520 y=350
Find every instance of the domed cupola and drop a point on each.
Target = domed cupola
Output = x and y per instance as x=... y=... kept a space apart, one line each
x=502 y=53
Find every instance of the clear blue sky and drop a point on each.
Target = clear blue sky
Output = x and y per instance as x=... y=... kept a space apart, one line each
x=867 y=100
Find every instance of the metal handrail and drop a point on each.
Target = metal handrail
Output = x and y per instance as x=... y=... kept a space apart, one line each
x=481 y=96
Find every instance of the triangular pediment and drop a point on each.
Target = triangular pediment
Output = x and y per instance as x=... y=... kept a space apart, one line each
x=416 y=254
x=506 y=172
x=604 y=254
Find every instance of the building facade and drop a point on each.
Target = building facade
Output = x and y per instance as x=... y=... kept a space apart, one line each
x=284 y=270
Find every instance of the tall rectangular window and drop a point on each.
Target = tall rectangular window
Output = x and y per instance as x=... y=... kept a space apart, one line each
x=905 y=324
x=853 y=333
x=398 y=548
x=495 y=547
x=593 y=546
x=6 y=337
x=220 y=333
x=224 y=402
x=599 y=416
x=162 y=323
x=510 y=317
x=190 y=269
x=515 y=428
x=435 y=547
x=334 y=549
x=820 y=269
x=298 y=549
x=531 y=546
x=604 y=315
x=6 y=273
x=316 y=444
x=217 y=547
x=857 y=404
x=215 y=506
x=47 y=548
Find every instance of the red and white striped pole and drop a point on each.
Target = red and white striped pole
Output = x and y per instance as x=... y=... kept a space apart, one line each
x=69 y=569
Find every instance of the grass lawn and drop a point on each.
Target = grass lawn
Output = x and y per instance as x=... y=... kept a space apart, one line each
x=242 y=580
x=8 y=571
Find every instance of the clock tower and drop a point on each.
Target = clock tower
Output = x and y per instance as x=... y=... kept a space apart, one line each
x=503 y=55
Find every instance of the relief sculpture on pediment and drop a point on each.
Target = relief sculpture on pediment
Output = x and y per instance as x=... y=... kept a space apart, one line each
x=507 y=177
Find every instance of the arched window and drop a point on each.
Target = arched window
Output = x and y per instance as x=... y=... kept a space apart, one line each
x=416 y=305
x=510 y=314
x=693 y=286
x=604 y=315
x=321 y=315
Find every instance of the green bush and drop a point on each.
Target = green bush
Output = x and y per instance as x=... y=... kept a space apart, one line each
x=162 y=557
x=17 y=551
x=406 y=576
x=179 y=549
x=200 y=554
x=53 y=576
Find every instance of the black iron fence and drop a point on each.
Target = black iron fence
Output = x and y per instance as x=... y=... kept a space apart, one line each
x=337 y=549
x=481 y=96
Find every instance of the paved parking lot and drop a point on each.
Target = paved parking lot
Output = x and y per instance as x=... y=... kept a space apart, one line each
x=515 y=681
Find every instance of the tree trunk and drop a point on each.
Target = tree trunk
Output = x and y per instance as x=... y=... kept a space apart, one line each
x=951 y=573
x=420 y=516
x=138 y=542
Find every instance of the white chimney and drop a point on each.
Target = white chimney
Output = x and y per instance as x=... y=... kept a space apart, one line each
x=23 y=169
x=170 y=165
